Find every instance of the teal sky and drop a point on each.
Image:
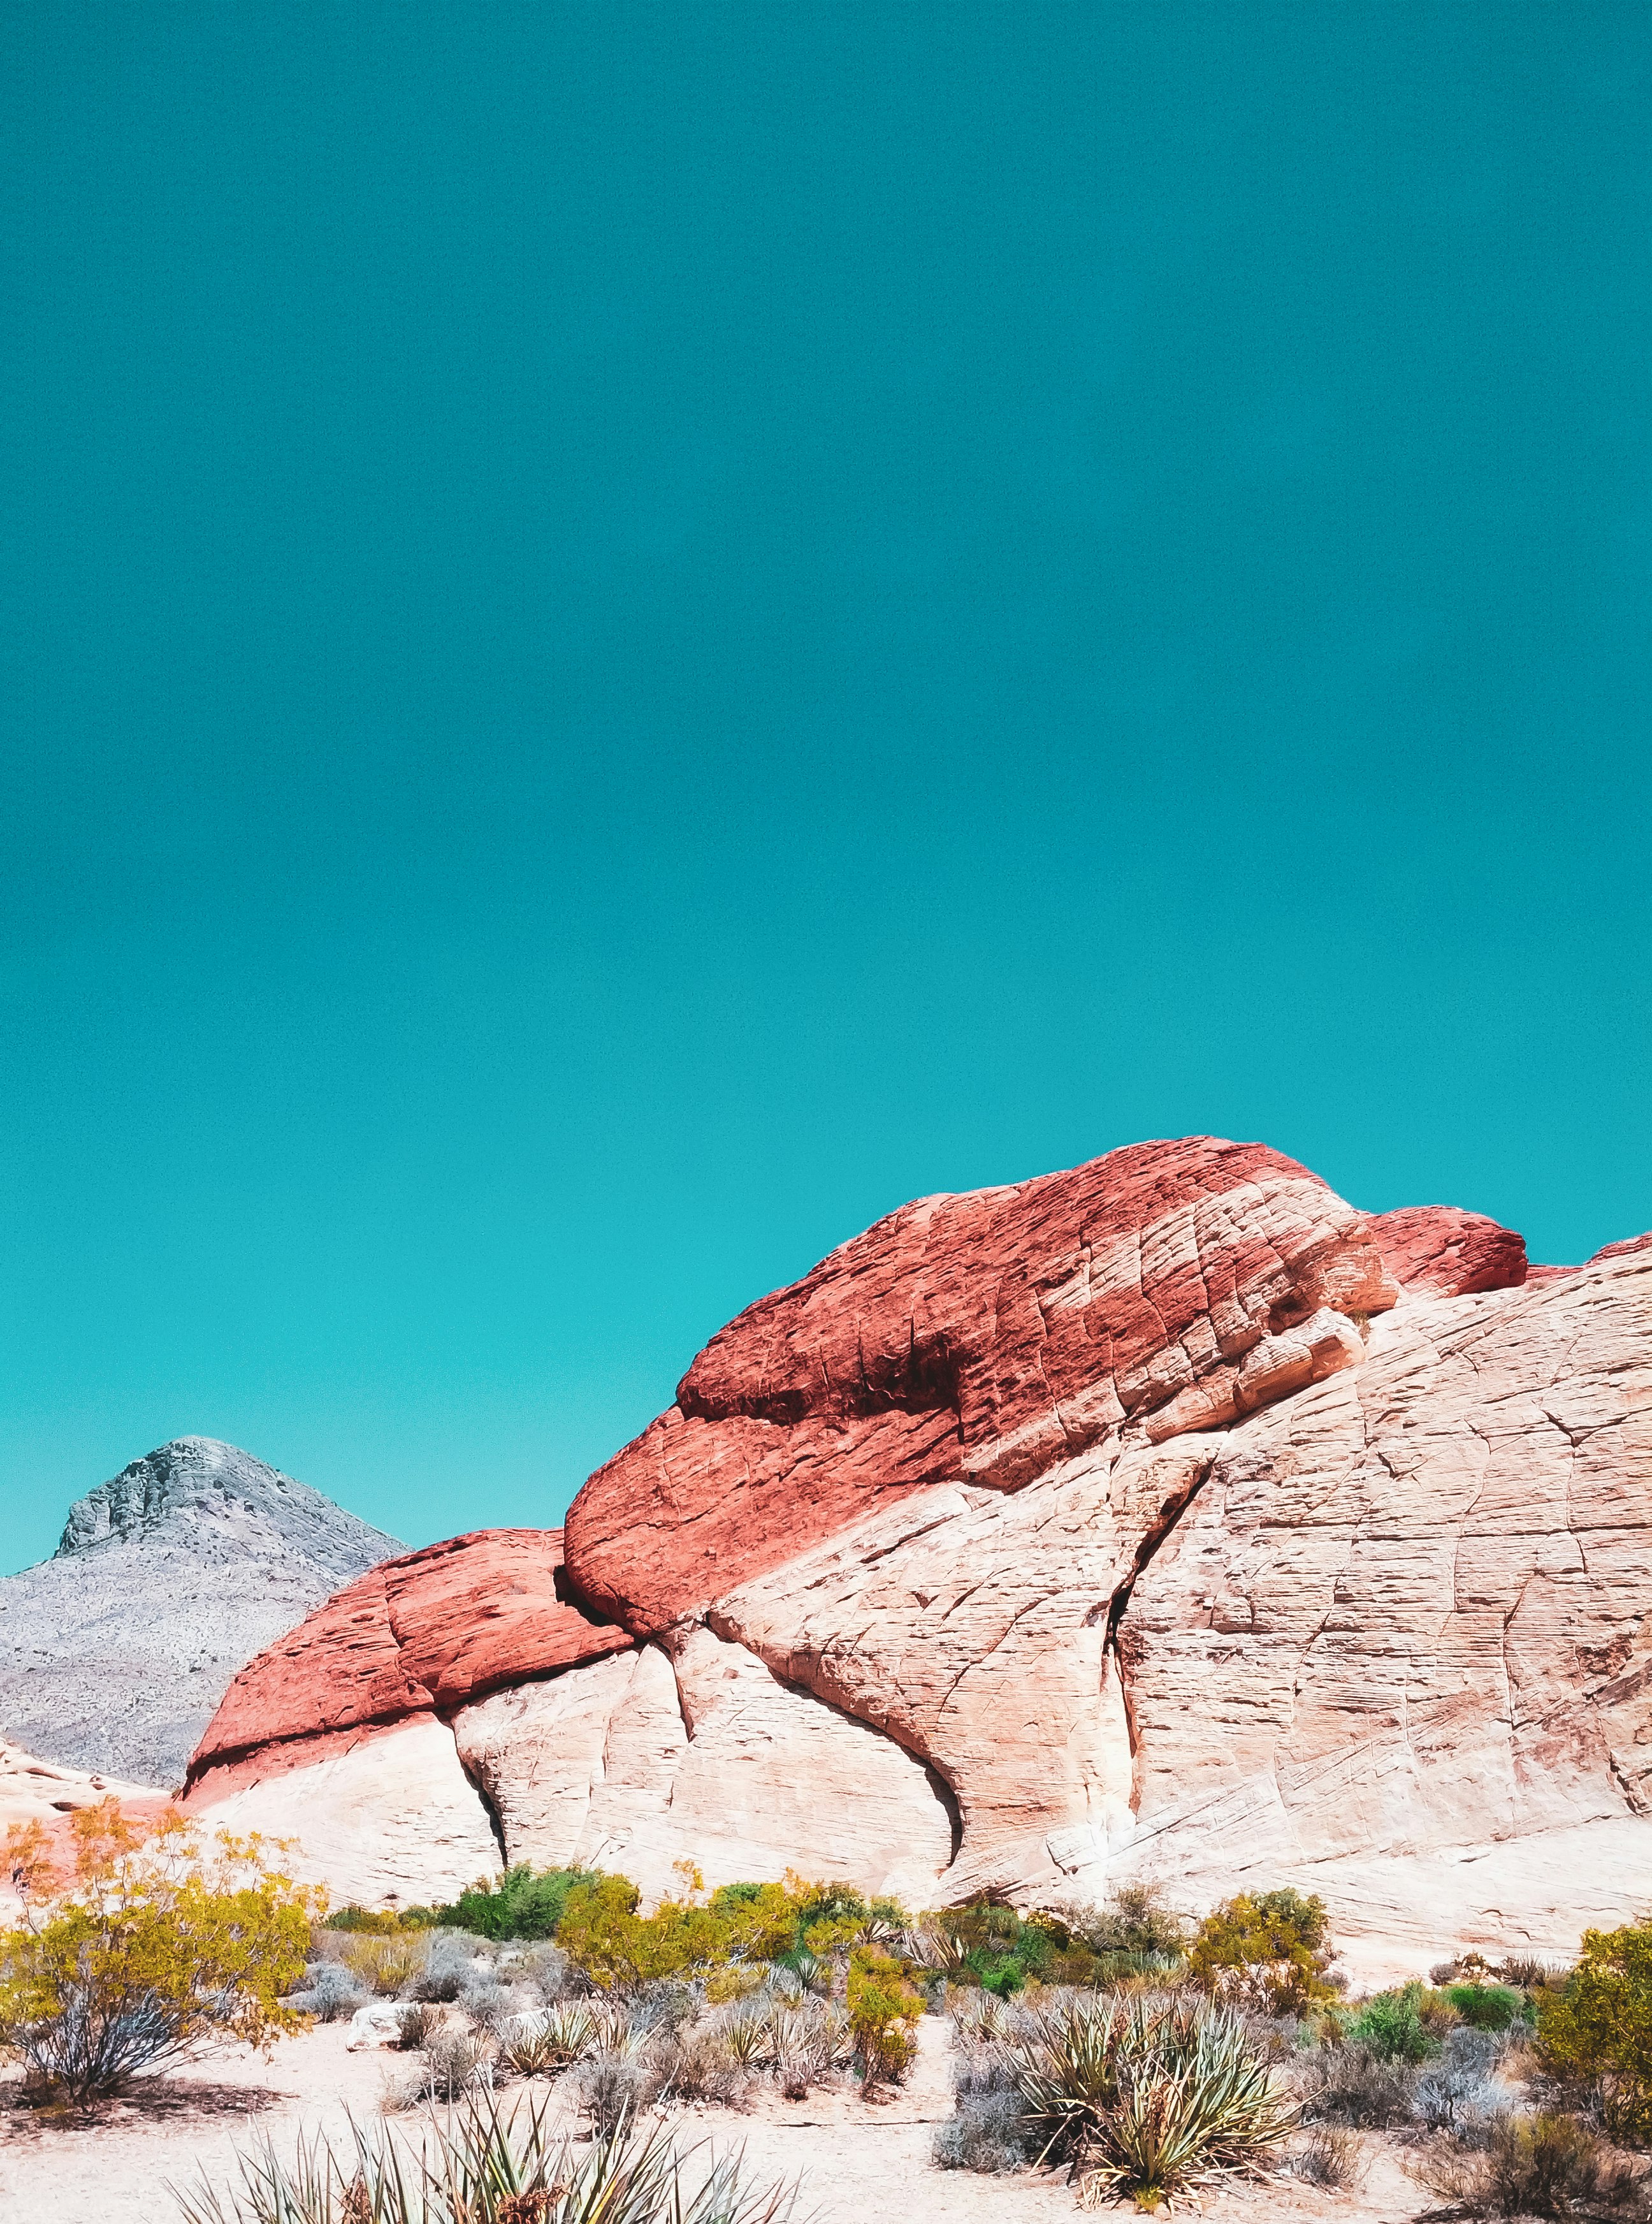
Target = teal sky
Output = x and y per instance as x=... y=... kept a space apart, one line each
x=633 y=633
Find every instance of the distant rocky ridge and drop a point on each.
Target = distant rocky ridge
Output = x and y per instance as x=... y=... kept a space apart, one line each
x=115 y=1653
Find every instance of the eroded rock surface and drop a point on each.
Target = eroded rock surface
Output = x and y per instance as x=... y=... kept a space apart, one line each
x=640 y=1763
x=981 y=1339
x=383 y=1816
x=1399 y=1645
x=417 y=1636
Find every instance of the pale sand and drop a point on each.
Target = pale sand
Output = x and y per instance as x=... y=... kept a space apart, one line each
x=860 y=2163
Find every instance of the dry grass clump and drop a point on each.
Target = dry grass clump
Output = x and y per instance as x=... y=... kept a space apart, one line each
x=1332 y=2155
x=1353 y=2086
x=1544 y=2165
x=452 y=2063
x=623 y=2057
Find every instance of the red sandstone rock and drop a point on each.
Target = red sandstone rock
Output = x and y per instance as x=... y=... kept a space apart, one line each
x=984 y=1338
x=419 y=1635
x=1630 y=1243
x=1449 y=1253
x=926 y=1575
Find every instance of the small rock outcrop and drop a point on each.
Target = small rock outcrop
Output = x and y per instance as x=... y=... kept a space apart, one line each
x=1451 y=1254
x=1167 y=1518
x=115 y=1653
x=35 y=1790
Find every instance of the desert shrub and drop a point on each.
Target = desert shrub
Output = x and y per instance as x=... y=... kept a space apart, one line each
x=330 y=1993
x=1269 y=1952
x=797 y=1925
x=484 y=2167
x=701 y=2066
x=1487 y=2007
x=385 y=1962
x=416 y=2026
x=550 y=1972
x=157 y=1944
x=1390 y=2024
x=1352 y=2086
x=447 y=1962
x=883 y=2010
x=1002 y=1949
x=1132 y=1921
x=810 y=2041
x=989 y=2131
x=524 y=1902
x=1541 y=2165
x=1461 y=2090
x=1330 y=2155
x=615 y=2089
x=488 y=2004
x=1600 y=2028
x=1534 y=1973
x=376 y=1921
x=620 y=1951
x=1146 y=2097
x=452 y=2063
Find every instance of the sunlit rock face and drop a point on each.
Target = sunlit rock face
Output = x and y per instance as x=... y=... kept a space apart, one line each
x=1166 y=1517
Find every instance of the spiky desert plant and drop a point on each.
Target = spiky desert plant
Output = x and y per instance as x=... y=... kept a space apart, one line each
x=551 y=2039
x=483 y=2167
x=1146 y=2097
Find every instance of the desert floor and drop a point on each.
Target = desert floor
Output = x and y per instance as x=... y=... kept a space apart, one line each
x=857 y=2162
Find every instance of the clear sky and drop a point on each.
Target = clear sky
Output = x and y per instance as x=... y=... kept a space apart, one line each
x=632 y=634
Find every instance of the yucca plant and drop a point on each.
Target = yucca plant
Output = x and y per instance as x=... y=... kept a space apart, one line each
x=551 y=2039
x=1144 y=2097
x=483 y=2167
x=750 y=2040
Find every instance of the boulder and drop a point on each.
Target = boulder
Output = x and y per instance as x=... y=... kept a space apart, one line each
x=379 y=2024
x=1121 y=1524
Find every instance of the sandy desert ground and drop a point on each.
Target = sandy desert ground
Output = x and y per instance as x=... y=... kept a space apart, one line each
x=857 y=2162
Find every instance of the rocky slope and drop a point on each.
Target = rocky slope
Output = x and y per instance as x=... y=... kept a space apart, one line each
x=1165 y=1518
x=115 y=1653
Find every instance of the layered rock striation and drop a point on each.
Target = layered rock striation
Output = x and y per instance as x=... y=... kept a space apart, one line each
x=1168 y=1518
x=115 y=1653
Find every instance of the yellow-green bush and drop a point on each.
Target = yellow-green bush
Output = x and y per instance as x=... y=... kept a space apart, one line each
x=159 y=1941
x=691 y=1936
x=1269 y=1952
x=883 y=2010
x=385 y=1959
x=1599 y=2027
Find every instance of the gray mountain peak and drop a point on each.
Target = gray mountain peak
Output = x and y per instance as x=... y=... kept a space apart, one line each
x=213 y=1494
x=115 y=1653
